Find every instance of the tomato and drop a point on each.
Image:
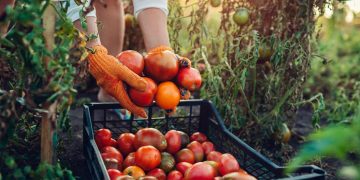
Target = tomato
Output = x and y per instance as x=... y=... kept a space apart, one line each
x=241 y=16
x=147 y=157
x=173 y=140
x=197 y=149
x=150 y=136
x=110 y=152
x=218 y=178
x=167 y=96
x=189 y=78
x=175 y=175
x=201 y=171
x=103 y=138
x=161 y=66
x=114 y=174
x=134 y=171
x=238 y=175
x=207 y=147
x=129 y=160
x=158 y=173
x=111 y=163
x=144 y=98
x=214 y=165
x=185 y=155
x=184 y=139
x=129 y=21
x=126 y=143
x=214 y=156
x=125 y=177
x=183 y=166
x=167 y=162
x=215 y=3
x=228 y=164
x=133 y=60
x=199 y=137
x=113 y=143
x=265 y=53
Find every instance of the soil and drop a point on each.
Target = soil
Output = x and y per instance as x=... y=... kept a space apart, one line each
x=71 y=156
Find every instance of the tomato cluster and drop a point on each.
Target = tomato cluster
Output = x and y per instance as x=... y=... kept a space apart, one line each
x=149 y=154
x=165 y=72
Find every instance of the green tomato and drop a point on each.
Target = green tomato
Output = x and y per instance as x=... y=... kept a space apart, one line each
x=215 y=3
x=241 y=16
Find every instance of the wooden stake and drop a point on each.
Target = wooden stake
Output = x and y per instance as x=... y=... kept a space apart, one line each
x=48 y=120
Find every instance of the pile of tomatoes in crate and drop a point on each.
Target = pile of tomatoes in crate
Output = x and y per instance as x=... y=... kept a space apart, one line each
x=169 y=77
x=148 y=154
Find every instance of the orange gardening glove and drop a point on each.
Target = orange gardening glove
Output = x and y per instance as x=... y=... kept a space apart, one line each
x=109 y=74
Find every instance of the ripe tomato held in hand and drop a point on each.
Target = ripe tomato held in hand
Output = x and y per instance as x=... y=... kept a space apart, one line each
x=175 y=175
x=129 y=160
x=161 y=66
x=183 y=166
x=228 y=164
x=208 y=147
x=126 y=143
x=201 y=171
x=158 y=173
x=150 y=136
x=199 y=137
x=167 y=162
x=133 y=60
x=167 y=96
x=134 y=171
x=103 y=138
x=185 y=155
x=189 y=78
x=173 y=139
x=147 y=157
x=114 y=174
x=214 y=156
x=197 y=149
x=144 y=98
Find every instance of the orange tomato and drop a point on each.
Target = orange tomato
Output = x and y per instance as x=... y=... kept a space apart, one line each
x=167 y=96
x=134 y=171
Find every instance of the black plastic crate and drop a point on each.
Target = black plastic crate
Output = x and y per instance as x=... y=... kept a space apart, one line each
x=191 y=116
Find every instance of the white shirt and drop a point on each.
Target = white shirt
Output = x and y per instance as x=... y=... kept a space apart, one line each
x=139 y=5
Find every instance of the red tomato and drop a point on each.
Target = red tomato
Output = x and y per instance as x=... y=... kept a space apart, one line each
x=126 y=143
x=103 y=138
x=147 y=178
x=150 y=136
x=161 y=66
x=238 y=175
x=114 y=174
x=208 y=147
x=133 y=60
x=215 y=165
x=175 y=175
x=110 y=152
x=167 y=162
x=185 y=155
x=134 y=171
x=228 y=164
x=183 y=166
x=214 y=156
x=184 y=139
x=199 y=137
x=158 y=173
x=173 y=139
x=129 y=160
x=201 y=171
x=125 y=177
x=197 y=149
x=113 y=143
x=147 y=157
x=111 y=163
x=189 y=78
x=144 y=98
